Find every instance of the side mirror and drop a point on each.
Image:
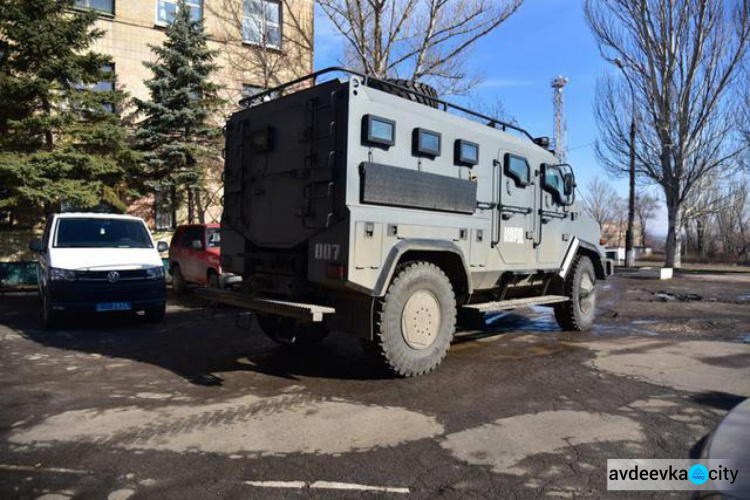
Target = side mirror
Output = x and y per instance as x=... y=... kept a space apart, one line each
x=35 y=245
x=162 y=246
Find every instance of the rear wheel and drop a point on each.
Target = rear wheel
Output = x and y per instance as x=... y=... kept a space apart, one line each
x=577 y=314
x=178 y=280
x=415 y=322
x=289 y=331
x=213 y=280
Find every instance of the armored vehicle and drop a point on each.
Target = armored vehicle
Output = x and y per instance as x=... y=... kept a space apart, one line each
x=374 y=207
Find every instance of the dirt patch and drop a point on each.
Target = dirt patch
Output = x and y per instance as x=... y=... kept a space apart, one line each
x=688 y=365
x=505 y=443
x=251 y=425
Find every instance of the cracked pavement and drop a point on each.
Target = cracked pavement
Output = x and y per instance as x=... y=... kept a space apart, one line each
x=196 y=407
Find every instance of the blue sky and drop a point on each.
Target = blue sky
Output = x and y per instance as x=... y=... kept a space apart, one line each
x=545 y=38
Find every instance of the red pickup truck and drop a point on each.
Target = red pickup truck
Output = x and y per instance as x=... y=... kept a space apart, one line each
x=194 y=256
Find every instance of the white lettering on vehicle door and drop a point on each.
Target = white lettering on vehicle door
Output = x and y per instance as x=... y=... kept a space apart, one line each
x=513 y=235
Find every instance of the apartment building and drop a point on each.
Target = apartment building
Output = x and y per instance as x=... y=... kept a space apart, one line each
x=260 y=43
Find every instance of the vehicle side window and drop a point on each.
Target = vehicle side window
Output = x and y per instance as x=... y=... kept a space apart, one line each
x=554 y=183
x=517 y=168
x=193 y=238
x=45 y=237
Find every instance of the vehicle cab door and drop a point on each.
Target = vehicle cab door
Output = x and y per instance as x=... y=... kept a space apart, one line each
x=516 y=209
x=556 y=195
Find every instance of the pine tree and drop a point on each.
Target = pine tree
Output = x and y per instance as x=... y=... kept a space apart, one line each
x=177 y=133
x=61 y=140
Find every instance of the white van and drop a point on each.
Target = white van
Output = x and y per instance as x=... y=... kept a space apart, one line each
x=99 y=263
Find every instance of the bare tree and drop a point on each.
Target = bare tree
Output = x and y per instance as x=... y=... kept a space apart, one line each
x=417 y=39
x=602 y=204
x=681 y=58
x=734 y=219
x=265 y=47
x=646 y=206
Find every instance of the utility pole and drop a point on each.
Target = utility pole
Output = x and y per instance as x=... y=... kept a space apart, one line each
x=629 y=233
x=560 y=122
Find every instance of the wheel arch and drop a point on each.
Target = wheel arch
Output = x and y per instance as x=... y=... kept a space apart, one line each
x=590 y=251
x=445 y=254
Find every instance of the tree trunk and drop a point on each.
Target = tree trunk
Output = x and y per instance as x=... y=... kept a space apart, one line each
x=199 y=208
x=191 y=208
x=173 y=205
x=674 y=233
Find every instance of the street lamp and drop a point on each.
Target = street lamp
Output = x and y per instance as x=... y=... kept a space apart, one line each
x=629 y=248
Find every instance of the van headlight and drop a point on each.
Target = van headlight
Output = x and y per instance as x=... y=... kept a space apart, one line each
x=153 y=273
x=56 y=274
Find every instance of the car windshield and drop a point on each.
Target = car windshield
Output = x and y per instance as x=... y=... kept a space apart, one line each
x=101 y=233
x=213 y=237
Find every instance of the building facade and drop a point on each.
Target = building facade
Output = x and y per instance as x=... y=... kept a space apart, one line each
x=259 y=44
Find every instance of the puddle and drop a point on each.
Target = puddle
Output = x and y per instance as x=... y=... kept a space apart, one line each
x=531 y=319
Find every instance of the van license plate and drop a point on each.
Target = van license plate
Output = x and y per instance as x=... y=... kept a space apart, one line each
x=113 y=306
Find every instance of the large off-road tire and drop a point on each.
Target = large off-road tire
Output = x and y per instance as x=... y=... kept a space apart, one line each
x=577 y=314
x=179 y=285
x=420 y=87
x=290 y=332
x=416 y=320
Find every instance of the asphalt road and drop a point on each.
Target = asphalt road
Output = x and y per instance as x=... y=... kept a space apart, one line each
x=201 y=406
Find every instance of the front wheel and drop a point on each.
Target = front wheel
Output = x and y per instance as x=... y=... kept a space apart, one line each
x=577 y=314
x=415 y=322
x=50 y=317
x=156 y=314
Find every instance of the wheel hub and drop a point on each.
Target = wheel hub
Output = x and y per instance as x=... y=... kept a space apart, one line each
x=420 y=320
x=587 y=293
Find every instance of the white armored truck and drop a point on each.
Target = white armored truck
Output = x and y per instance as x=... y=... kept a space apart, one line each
x=373 y=207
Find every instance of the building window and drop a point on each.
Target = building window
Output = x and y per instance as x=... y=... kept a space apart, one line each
x=262 y=23
x=167 y=9
x=106 y=85
x=106 y=6
x=250 y=90
x=162 y=211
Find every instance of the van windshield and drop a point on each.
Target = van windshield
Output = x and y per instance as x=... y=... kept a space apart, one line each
x=101 y=233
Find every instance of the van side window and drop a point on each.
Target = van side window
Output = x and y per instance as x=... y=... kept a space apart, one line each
x=517 y=168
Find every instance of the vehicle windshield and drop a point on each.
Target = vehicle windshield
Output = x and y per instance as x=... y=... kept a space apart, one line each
x=101 y=233
x=213 y=237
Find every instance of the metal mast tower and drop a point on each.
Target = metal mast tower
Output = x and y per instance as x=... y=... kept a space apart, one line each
x=560 y=122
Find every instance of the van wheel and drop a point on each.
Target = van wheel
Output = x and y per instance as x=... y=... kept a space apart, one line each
x=415 y=322
x=179 y=285
x=213 y=280
x=290 y=332
x=577 y=314
x=50 y=317
x=156 y=314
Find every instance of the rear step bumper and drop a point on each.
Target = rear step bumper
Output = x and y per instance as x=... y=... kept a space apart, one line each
x=298 y=310
x=504 y=305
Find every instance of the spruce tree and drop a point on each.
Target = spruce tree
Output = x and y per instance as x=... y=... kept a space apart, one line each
x=178 y=133
x=61 y=140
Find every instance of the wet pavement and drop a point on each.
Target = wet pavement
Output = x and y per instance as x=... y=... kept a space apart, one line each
x=205 y=406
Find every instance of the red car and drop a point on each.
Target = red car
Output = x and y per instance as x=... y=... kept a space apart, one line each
x=194 y=256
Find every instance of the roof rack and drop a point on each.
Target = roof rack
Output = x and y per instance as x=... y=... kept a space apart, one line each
x=492 y=122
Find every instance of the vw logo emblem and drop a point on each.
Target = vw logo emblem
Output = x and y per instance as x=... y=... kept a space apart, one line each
x=113 y=276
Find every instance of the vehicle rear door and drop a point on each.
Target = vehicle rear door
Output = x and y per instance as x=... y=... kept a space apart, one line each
x=516 y=209
x=193 y=248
